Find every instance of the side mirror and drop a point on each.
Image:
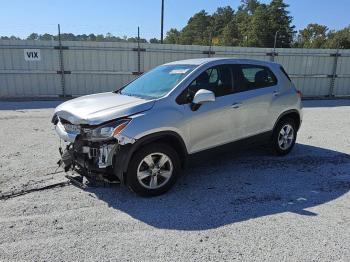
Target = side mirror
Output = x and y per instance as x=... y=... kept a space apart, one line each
x=203 y=96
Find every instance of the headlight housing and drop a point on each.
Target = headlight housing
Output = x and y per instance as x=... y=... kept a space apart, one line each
x=106 y=131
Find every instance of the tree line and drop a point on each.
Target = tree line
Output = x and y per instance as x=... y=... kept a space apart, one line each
x=253 y=24
x=83 y=37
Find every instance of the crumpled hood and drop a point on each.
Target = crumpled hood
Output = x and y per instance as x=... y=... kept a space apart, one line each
x=98 y=108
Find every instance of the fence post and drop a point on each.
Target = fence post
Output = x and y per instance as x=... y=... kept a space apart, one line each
x=210 y=51
x=334 y=72
x=138 y=51
x=272 y=55
x=63 y=84
x=274 y=47
x=210 y=43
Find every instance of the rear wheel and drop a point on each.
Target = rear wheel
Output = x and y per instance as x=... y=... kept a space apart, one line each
x=153 y=170
x=284 y=136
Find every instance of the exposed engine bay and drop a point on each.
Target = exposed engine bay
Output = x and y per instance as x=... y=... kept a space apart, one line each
x=92 y=150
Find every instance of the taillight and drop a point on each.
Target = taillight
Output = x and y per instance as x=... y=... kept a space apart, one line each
x=299 y=93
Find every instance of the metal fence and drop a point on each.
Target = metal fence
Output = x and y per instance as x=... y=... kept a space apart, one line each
x=53 y=69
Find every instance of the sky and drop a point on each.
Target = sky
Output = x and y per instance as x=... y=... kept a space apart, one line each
x=122 y=17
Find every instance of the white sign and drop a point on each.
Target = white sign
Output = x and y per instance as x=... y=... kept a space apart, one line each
x=32 y=55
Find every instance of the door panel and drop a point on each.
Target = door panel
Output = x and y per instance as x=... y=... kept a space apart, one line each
x=211 y=124
x=255 y=88
x=253 y=116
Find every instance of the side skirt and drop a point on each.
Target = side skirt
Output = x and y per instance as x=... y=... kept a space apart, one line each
x=236 y=146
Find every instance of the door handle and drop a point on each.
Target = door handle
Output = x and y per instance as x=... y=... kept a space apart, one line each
x=276 y=93
x=236 y=105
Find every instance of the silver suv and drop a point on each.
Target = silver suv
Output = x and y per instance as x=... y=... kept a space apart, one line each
x=143 y=134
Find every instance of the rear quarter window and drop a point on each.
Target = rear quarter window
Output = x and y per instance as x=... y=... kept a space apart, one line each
x=285 y=73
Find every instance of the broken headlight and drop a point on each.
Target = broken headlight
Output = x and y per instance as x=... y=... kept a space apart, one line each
x=106 y=131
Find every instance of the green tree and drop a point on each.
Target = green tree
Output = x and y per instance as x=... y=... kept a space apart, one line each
x=33 y=36
x=46 y=37
x=197 y=30
x=68 y=37
x=243 y=21
x=259 y=33
x=281 y=21
x=172 y=36
x=230 y=34
x=12 y=37
x=109 y=37
x=313 y=36
x=134 y=40
x=92 y=37
x=154 y=41
x=82 y=37
x=339 y=39
x=100 y=38
x=220 y=19
x=249 y=6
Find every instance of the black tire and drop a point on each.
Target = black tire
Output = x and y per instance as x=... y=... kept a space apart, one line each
x=276 y=147
x=137 y=161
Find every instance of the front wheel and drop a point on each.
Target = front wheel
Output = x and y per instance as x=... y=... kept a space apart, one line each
x=153 y=170
x=284 y=137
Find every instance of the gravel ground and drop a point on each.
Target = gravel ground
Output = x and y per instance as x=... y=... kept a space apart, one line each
x=246 y=206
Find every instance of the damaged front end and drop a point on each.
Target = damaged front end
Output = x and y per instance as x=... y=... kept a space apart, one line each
x=94 y=150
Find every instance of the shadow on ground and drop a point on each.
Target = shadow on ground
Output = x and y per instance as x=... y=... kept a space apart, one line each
x=231 y=188
x=23 y=105
x=326 y=103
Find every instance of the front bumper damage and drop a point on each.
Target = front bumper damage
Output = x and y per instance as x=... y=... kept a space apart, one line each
x=105 y=159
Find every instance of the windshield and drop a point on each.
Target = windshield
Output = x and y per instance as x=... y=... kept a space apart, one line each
x=157 y=82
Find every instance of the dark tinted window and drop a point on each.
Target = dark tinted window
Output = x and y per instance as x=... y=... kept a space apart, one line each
x=216 y=79
x=249 y=77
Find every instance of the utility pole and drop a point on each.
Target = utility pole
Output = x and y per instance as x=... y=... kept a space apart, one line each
x=275 y=43
x=138 y=52
x=162 y=23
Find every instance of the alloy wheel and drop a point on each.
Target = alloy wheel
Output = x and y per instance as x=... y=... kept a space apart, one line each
x=286 y=137
x=154 y=170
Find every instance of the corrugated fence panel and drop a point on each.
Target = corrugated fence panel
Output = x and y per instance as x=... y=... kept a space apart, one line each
x=341 y=85
x=98 y=67
x=309 y=69
x=242 y=52
x=20 y=78
x=160 y=54
x=92 y=67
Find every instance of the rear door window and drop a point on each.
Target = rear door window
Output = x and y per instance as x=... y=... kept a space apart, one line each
x=250 y=77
